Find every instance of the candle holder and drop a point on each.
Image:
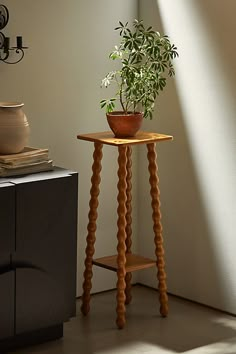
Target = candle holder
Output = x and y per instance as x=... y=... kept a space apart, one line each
x=5 y=48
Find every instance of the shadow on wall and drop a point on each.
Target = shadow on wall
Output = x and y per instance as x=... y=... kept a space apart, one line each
x=194 y=203
x=221 y=26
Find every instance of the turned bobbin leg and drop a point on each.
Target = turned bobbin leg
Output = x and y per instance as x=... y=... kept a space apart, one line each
x=94 y=192
x=121 y=236
x=157 y=227
x=128 y=241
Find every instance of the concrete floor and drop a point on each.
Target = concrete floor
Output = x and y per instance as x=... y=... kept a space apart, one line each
x=189 y=329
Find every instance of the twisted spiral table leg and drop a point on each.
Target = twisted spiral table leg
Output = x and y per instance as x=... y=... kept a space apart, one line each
x=121 y=236
x=157 y=227
x=128 y=241
x=92 y=226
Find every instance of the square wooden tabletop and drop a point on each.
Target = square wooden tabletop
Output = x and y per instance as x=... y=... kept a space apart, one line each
x=108 y=138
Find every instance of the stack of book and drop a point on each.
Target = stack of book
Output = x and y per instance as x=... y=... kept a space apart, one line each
x=30 y=160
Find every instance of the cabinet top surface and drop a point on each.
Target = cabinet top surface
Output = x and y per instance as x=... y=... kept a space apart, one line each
x=57 y=172
x=109 y=138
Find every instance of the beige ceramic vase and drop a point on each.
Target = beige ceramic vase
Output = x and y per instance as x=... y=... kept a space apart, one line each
x=14 y=128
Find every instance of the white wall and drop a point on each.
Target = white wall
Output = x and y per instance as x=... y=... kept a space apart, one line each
x=197 y=169
x=59 y=82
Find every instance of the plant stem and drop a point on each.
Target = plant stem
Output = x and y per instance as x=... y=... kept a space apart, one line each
x=120 y=91
x=127 y=107
x=121 y=100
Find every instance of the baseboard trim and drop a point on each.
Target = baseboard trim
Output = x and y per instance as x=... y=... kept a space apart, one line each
x=170 y=294
x=189 y=300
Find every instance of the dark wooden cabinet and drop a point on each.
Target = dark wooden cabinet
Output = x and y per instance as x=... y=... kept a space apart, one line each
x=38 y=218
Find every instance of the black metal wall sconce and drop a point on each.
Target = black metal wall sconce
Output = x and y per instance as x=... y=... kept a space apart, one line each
x=5 y=48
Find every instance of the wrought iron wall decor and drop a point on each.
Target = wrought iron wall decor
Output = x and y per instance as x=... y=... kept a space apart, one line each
x=5 y=48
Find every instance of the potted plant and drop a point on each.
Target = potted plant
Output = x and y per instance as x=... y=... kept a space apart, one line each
x=146 y=62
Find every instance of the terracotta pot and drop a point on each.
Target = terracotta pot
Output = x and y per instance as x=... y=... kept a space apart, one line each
x=14 y=128
x=124 y=125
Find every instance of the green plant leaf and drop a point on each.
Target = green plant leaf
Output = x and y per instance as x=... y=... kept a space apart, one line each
x=102 y=104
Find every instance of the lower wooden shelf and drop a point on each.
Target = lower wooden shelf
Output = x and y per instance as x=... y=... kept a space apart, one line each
x=133 y=262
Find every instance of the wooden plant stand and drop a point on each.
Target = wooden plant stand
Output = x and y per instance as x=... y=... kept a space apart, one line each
x=124 y=262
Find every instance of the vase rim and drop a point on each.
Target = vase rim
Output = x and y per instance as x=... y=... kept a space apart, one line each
x=11 y=104
x=122 y=113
